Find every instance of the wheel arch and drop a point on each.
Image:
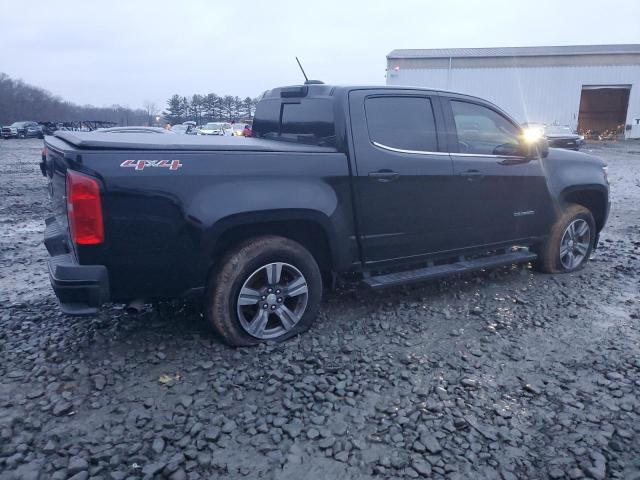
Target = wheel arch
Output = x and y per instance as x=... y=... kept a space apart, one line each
x=312 y=229
x=592 y=197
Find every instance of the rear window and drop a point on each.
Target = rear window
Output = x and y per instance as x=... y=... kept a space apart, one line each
x=309 y=121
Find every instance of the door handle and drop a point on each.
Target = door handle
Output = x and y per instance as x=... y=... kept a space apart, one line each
x=384 y=175
x=472 y=175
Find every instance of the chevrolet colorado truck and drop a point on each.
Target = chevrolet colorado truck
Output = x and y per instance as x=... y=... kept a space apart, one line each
x=396 y=184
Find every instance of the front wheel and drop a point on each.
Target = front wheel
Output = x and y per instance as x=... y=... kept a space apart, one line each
x=268 y=288
x=570 y=241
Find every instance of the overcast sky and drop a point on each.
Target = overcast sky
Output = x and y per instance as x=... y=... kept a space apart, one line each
x=126 y=52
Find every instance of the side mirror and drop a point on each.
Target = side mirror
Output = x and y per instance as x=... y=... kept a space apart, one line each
x=534 y=142
x=526 y=148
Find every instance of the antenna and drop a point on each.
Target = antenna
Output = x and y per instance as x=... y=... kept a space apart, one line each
x=305 y=75
x=306 y=79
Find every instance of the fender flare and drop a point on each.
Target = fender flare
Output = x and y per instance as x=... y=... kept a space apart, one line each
x=592 y=188
x=246 y=219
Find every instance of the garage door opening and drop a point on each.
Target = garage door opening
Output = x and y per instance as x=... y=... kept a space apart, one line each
x=603 y=110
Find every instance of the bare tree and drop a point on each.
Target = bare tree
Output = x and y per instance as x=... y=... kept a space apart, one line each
x=21 y=101
x=152 y=110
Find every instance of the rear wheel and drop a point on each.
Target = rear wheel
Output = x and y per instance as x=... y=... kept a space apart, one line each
x=570 y=241
x=268 y=288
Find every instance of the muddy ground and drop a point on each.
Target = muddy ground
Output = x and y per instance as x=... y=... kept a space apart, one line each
x=507 y=374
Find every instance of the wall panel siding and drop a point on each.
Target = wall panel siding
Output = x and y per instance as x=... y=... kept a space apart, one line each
x=536 y=94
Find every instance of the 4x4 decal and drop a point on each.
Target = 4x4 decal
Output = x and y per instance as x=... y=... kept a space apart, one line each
x=139 y=165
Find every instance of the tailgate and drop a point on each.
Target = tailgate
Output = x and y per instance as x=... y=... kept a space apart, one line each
x=56 y=160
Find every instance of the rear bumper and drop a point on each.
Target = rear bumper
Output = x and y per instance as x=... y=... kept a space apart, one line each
x=81 y=289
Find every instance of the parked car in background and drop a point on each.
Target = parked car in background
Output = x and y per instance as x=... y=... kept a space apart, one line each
x=133 y=130
x=237 y=129
x=558 y=136
x=22 y=130
x=241 y=129
x=184 y=128
x=216 y=128
x=561 y=136
x=49 y=127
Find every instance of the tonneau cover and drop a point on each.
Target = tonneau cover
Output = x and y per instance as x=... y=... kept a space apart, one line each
x=157 y=141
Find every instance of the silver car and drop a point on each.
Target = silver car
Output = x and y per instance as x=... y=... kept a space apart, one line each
x=216 y=128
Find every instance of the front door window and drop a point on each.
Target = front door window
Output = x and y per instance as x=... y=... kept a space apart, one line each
x=483 y=131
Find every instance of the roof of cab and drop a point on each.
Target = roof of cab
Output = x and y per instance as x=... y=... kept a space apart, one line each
x=323 y=90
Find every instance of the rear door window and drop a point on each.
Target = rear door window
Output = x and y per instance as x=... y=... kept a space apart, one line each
x=402 y=122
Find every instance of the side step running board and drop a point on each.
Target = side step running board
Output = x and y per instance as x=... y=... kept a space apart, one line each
x=439 y=271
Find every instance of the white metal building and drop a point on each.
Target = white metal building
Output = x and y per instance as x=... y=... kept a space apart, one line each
x=590 y=87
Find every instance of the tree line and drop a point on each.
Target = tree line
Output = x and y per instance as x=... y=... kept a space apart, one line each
x=209 y=108
x=21 y=101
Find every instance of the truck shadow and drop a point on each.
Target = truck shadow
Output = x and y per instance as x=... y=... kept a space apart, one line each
x=348 y=305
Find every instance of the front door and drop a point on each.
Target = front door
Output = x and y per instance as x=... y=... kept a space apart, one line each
x=502 y=195
x=403 y=182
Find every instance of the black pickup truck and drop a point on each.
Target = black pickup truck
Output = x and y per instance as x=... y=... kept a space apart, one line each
x=397 y=184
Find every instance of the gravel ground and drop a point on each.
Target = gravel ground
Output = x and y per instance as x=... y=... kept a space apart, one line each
x=508 y=374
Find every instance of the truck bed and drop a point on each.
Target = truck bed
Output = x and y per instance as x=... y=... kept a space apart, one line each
x=148 y=141
x=162 y=225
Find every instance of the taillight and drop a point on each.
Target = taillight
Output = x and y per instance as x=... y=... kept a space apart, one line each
x=84 y=209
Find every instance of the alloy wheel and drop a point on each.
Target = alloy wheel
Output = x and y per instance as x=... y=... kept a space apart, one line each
x=272 y=300
x=575 y=244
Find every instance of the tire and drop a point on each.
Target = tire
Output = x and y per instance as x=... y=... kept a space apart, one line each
x=579 y=248
x=240 y=320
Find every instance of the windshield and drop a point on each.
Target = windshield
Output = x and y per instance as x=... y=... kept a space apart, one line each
x=213 y=126
x=558 y=129
x=18 y=124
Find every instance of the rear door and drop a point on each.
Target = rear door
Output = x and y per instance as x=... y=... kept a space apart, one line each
x=404 y=175
x=502 y=196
